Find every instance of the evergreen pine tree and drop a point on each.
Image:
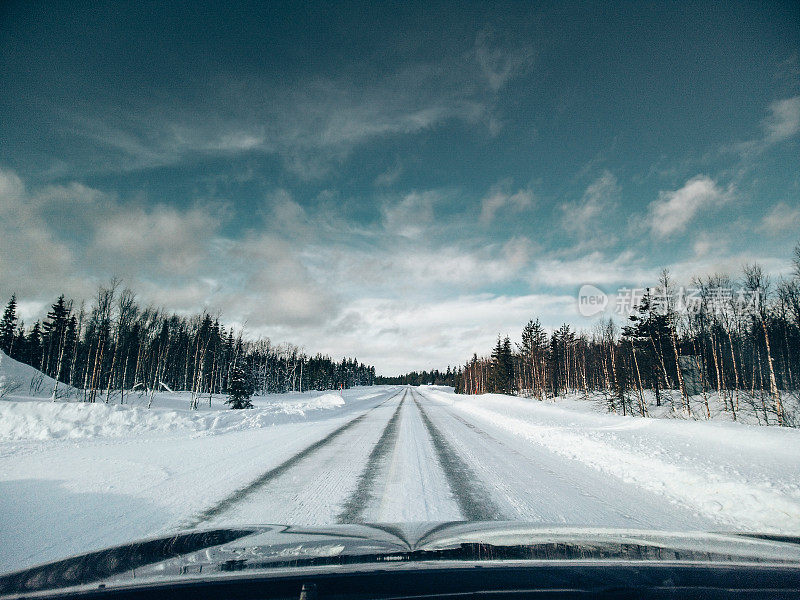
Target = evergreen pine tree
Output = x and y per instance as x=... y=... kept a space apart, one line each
x=53 y=332
x=649 y=334
x=70 y=339
x=34 y=346
x=239 y=389
x=508 y=365
x=19 y=347
x=554 y=369
x=495 y=374
x=502 y=373
x=7 y=326
x=533 y=349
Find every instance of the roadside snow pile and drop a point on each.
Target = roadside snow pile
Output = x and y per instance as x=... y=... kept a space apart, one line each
x=743 y=476
x=37 y=420
x=18 y=380
x=738 y=405
x=326 y=401
x=27 y=411
x=53 y=420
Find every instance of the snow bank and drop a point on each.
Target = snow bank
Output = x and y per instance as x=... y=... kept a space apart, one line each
x=744 y=477
x=752 y=409
x=326 y=401
x=53 y=420
x=19 y=381
x=27 y=411
x=37 y=420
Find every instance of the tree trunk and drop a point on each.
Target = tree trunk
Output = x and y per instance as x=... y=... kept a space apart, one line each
x=686 y=405
x=642 y=405
x=773 y=385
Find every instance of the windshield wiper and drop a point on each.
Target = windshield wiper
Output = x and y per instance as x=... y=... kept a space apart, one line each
x=485 y=552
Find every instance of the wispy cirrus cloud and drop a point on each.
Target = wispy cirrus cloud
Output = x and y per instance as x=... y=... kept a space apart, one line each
x=587 y=215
x=498 y=63
x=502 y=198
x=410 y=216
x=675 y=209
x=311 y=124
x=781 y=123
x=781 y=218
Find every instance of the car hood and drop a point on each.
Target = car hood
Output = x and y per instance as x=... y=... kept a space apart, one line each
x=268 y=549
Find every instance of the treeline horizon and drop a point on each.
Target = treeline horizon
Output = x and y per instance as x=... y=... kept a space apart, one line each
x=433 y=377
x=747 y=354
x=114 y=346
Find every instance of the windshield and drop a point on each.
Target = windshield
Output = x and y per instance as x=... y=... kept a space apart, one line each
x=316 y=264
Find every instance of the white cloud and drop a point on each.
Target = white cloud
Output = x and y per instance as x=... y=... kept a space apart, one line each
x=185 y=296
x=673 y=210
x=31 y=257
x=295 y=274
x=781 y=218
x=500 y=199
x=28 y=312
x=64 y=239
x=126 y=237
x=420 y=274
x=400 y=335
x=498 y=64
x=269 y=284
x=312 y=125
x=390 y=175
x=465 y=268
x=705 y=244
x=782 y=123
x=401 y=294
x=599 y=199
x=281 y=211
x=11 y=188
x=236 y=142
x=411 y=216
x=718 y=260
x=168 y=241
x=784 y=120
x=592 y=268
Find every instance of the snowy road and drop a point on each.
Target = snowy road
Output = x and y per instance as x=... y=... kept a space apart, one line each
x=413 y=458
x=397 y=454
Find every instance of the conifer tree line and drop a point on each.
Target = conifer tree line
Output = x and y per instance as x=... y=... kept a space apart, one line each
x=434 y=377
x=114 y=347
x=743 y=357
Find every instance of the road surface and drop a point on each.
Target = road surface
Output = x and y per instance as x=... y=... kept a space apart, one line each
x=394 y=454
x=411 y=457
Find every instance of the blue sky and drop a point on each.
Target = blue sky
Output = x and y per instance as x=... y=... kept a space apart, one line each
x=400 y=182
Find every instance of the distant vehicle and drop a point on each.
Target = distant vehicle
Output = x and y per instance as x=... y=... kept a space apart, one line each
x=453 y=560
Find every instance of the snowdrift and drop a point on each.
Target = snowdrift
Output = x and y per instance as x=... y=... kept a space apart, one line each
x=75 y=420
x=744 y=476
x=27 y=411
x=19 y=381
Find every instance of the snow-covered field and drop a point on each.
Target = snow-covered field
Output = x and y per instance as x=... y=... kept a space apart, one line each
x=77 y=477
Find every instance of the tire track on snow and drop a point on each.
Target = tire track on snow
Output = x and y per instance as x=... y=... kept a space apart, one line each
x=263 y=479
x=353 y=510
x=579 y=489
x=473 y=500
